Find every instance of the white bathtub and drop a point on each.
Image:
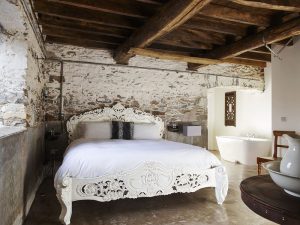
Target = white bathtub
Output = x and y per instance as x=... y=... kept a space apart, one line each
x=243 y=149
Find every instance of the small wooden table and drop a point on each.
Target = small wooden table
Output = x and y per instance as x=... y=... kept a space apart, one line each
x=268 y=200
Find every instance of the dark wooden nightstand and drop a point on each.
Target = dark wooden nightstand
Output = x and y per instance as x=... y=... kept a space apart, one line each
x=270 y=201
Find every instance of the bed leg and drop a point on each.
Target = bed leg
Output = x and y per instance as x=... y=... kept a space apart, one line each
x=64 y=195
x=221 y=184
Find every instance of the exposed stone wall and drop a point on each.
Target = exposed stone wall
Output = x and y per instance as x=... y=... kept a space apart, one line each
x=172 y=95
x=12 y=72
x=21 y=78
x=21 y=83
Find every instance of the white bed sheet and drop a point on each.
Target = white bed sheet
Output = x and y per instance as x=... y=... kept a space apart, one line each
x=90 y=158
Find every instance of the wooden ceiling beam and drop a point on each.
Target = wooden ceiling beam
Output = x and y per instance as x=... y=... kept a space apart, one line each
x=191 y=59
x=259 y=55
x=170 y=16
x=255 y=56
x=235 y=15
x=83 y=26
x=80 y=43
x=262 y=50
x=282 y=5
x=269 y=35
x=85 y=15
x=70 y=33
x=246 y=62
x=120 y=7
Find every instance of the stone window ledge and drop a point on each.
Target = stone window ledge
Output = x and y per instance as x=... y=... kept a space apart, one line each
x=8 y=131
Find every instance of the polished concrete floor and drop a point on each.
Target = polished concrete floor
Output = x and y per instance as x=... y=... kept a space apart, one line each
x=188 y=209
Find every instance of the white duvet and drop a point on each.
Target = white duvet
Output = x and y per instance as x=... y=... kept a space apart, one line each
x=90 y=158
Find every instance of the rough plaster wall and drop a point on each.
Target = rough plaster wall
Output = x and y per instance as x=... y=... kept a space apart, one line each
x=21 y=172
x=21 y=78
x=172 y=95
x=33 y=152
x=11 y=201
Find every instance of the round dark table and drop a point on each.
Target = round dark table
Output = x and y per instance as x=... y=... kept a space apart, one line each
x=268 y=200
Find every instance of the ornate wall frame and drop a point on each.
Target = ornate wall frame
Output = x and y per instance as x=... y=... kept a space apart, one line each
x=230 y=108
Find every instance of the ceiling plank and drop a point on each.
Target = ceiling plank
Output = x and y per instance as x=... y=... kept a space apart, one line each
x=219 y=26
x=172 y=48
x=172 y=14
x=239 y=16
x=269 y=35
x=75 y=25
x=185 y=43
x=85 y=15
x=282 y=5
x=80 y=43
x=65 y=32
x=120 y=7
x=154 y=2
x=191 y=59
x=196 y=35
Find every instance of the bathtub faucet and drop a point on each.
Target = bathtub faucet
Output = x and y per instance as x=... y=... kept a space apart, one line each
x=250 y=135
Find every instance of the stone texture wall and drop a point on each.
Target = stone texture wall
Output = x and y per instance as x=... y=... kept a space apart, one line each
x=21 y=104
x=172 y=95
x=21 y=77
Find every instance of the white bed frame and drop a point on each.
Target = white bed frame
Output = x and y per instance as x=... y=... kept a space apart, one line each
x=146 y=180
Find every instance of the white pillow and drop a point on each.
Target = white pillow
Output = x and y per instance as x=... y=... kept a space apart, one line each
x=95 y=129
x=146 y=131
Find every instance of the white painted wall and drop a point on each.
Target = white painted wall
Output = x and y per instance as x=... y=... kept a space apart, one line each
x=253 y=113
x=277 y=108
x=286 y=88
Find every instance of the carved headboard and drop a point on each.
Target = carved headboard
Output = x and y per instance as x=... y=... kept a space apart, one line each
x=116 y=113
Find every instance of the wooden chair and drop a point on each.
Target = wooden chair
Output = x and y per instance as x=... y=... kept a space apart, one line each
x=277 y=134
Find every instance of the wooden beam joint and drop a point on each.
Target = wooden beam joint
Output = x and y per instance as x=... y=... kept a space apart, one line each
x=171 y=15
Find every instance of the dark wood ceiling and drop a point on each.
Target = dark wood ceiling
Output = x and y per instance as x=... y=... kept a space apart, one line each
x=196 y=31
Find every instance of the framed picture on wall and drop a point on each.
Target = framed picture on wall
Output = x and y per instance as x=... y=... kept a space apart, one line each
x=230 y=108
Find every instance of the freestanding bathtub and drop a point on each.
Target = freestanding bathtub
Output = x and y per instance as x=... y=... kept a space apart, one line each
x=243 y=150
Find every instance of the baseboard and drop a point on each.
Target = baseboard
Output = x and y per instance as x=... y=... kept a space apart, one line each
x=18 y=220
x=21 y=217
x=33 y=194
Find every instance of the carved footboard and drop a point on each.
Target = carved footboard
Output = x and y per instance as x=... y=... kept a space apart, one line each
x=147 y=180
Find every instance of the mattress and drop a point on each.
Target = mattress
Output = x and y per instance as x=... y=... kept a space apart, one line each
x=91 y=158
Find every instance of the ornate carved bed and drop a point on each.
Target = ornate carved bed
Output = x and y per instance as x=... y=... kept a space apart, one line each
x=147 y=179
